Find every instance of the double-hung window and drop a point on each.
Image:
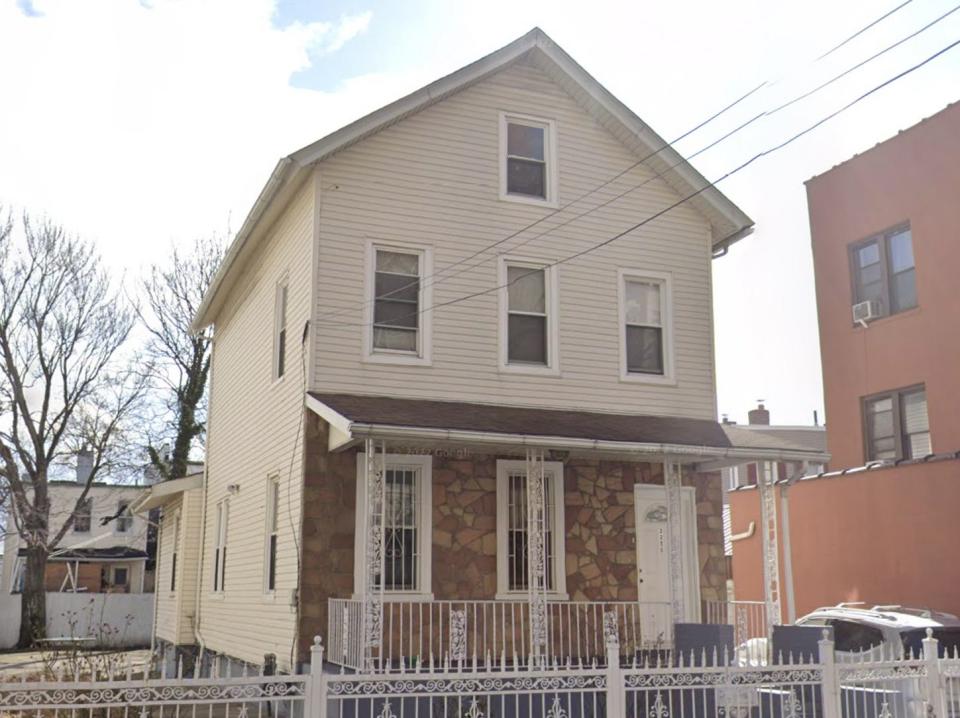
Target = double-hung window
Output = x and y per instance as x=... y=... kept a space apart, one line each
x=272 y=534
x=645 y=327
x=82 y=516
x=398 y=321
x=883 y=271
x=407 y=527
x=124 y=517
x=280 y=330
x=528 y=166
x=176 y=550
x=528 y=316
x=896 y=425
x=220 y=547
x=513 y=528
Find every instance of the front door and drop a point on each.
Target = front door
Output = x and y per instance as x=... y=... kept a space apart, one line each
x=653 y=558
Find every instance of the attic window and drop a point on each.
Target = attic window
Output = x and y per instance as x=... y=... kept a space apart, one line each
x=528 y=159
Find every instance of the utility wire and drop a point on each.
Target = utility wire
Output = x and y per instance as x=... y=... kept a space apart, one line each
x=862 y=30
x=436 y=276
x=687 y=198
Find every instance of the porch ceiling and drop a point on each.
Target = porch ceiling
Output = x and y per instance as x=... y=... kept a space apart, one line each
x=353 y=417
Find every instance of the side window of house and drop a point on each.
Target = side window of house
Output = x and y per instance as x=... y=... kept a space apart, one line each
x=528 y=166
x=124 y=517
x=896 y=425
x=528 y=316
x=272 y=533
x=176 y=550
x=407 y=523
x=883 y=271
x=220 y=547
x=513 y=529
x=645 y=312
x=280 y=330
x=82 y=516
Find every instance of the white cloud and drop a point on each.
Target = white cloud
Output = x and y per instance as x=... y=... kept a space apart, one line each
x=139 y=125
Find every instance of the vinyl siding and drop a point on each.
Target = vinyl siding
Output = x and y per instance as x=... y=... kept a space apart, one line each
x=433 y=179
x=176 y=609
x=254 y=428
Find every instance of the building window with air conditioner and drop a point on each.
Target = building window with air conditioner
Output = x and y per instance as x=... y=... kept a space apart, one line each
x=883 y=274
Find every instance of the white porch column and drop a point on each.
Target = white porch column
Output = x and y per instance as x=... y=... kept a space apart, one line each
x=672 y=479
x=771 y=553
x=373 y=538
x=536 y=553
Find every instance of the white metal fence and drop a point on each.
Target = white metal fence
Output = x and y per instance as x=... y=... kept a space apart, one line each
x=693 y=686
x=430 y=633
x=748 y=618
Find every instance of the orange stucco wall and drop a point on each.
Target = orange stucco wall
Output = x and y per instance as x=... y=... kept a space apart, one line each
x=913 y=177
x=888 y=535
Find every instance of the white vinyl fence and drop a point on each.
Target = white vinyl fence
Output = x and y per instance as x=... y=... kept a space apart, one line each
x=115 y=620
x=695 y=686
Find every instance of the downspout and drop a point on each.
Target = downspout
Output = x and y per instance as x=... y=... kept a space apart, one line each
x=156 y=592
x=785 y=531
x=197 y=636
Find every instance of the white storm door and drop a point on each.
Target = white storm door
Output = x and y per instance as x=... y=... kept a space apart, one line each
x=653 y=557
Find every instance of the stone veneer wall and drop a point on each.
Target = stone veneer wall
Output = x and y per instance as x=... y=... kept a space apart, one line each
x=598 y=502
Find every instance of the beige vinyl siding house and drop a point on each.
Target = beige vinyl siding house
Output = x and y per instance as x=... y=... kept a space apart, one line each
x=459 y=398
x=254 y=436
x=431 y=181
x=180 y=536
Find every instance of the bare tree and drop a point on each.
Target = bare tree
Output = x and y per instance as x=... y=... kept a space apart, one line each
x=181 y=358
x=66 y=387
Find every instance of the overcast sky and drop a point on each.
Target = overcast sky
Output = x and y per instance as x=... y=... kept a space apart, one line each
x=141 y=124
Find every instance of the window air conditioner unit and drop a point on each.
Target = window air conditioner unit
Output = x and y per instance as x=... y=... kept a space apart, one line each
x=864 y=312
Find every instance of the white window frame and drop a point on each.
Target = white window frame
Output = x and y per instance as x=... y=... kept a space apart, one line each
x=271 y=527
x=552 y=367
x=220 y=543
x=424 y=464
x=423 y=355
x=549 y=156
x=666 y=317
x=554 y=471
x=173 y=584
x=281 y=312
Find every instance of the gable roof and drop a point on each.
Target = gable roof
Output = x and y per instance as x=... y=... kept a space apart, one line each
x=727 y=221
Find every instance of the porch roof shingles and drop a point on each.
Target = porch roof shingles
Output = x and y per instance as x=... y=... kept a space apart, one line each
x=529 y=421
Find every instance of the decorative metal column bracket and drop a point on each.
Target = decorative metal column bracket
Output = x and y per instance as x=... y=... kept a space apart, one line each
x=372 y=616
x=771 y=552
x=672 y=480
x=536 y=553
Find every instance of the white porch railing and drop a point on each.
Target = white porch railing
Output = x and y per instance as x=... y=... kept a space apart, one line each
x=431 y=633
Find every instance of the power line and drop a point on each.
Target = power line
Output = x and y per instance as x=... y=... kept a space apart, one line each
x=436 y=276
x=690 y=196
x=862 y=30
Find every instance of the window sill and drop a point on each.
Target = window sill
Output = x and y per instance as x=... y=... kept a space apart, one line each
x=529 y=200
x=216 y=596
x=269 y=596
x=401 y=359
x=529 y=369
x=398 y=596
x=658 y=379
x=521 y=595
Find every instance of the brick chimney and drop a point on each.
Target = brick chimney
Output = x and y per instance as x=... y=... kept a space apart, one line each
x=760 y=415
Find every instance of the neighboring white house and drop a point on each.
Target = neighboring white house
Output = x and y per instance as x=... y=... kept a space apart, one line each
x=446 y=390
x=103 y=555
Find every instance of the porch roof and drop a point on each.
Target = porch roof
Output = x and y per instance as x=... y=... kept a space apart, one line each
x=106 y=553
x=354 y=416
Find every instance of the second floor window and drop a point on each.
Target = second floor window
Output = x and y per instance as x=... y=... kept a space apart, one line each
x=883 y=271
x=124 y=517
x=527 y=163
x=173 y=554
x=896 y=425
x=82 y=516
x=528 y=319
x=280 y=331
x=645 y=327
x=396 y=300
